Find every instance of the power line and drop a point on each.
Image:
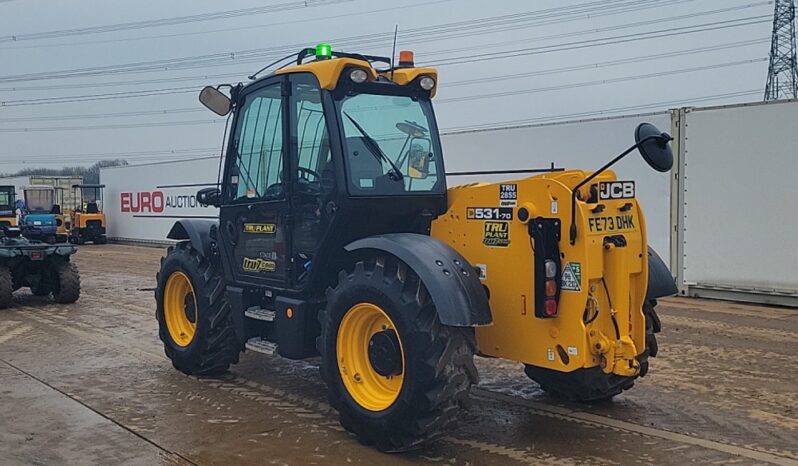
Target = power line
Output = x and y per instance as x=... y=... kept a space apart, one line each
x=443 y=85
x=439 y=101
x=233 y=29
x=598 y=82
x=656 y=21
x=105 y=115
x=116 y=126
x=706 y=27
x=424 y=34
x=661 y=105
x=227 y=14
x=610 y=63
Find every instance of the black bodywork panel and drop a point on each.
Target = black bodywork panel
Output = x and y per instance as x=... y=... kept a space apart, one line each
x=198 y=231
x=453 y=283
x=546 y=232
x=660 y=280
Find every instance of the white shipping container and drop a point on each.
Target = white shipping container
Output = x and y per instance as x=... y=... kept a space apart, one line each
x=736 y=215
x=144 y=201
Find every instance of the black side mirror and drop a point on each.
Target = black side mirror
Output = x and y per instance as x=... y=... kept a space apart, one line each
x=209 y=197
x=655 y=151
x=215 y=101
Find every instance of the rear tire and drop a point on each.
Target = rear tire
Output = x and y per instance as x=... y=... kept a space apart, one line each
x=213 y=346
x=6 y=287
x=437 y=361
x=592 y=384
x=66 y=283
x=101 y=240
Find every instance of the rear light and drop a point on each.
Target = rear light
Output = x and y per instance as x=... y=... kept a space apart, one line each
x=546 y=235
x=551 y=288
x=550 y=307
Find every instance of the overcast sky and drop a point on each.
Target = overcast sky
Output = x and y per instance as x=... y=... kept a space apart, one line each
x=502 y=61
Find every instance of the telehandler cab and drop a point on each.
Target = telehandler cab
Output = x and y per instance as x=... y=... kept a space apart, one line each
x=337 y=237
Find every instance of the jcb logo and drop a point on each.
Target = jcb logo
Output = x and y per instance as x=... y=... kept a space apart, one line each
x=617 y=190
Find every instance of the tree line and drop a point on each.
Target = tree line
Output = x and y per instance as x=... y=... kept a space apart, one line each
x=90 y=174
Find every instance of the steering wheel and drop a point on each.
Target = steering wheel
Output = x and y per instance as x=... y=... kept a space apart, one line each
x=307 y=172
x=411 y=128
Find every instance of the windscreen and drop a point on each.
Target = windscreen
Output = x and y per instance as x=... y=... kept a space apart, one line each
x=6 y=201
x=39 y=200
x=390 y=145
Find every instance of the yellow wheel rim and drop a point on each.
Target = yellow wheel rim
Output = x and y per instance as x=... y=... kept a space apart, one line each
x=367 y=387
x=180 y=308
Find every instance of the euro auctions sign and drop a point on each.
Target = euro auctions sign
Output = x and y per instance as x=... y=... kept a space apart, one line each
x=157 y=202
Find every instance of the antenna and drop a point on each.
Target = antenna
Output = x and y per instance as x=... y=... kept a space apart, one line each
x=783 y=71
x=393 y=53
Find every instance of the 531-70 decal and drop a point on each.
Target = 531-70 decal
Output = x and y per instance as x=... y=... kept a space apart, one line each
x=489 y=213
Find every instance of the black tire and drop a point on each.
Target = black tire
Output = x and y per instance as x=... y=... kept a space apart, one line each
x=41 y=290
x=101 y=240
x=439 y=360
x=214 y=346
x=590 y=385
x=66 y=283
x=6 y=287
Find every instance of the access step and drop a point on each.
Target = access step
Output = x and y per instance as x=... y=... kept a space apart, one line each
x=257 y=312
x=259 y=345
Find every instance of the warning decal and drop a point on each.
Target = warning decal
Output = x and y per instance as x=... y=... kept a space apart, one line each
x=571 y=277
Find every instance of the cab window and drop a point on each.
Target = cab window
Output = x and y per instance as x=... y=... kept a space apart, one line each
x=386 y=134
x=256 y=173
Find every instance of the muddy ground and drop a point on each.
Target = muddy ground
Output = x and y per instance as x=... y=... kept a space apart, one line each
x=88 y=383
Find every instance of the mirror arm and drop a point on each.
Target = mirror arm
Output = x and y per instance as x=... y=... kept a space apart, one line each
x=596 y=173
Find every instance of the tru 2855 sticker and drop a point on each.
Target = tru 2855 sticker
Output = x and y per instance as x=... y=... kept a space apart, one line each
x=508 y=195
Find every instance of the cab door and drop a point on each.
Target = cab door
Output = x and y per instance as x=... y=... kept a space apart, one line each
x=253 y=218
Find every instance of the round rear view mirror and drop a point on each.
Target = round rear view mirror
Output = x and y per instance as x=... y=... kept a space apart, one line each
x=655 y=149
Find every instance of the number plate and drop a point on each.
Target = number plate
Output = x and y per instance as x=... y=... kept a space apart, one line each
x=612 y=223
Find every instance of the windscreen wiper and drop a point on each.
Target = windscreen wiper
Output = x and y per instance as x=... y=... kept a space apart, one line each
x=375 y=149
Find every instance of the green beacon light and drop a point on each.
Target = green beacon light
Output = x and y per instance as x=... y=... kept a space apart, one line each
x=323 y=51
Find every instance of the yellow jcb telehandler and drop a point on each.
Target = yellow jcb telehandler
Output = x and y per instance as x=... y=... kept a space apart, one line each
x=337 y=237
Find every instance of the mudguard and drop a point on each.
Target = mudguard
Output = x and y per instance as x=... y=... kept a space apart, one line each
x=198 y=231
x=453 y=283
x=660 y=280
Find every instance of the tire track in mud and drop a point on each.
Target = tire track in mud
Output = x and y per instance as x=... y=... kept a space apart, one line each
x=12 y=330
x=767 y=334
x=621 y=426
x=321 y=412
x=140 y=277
x=305 y=409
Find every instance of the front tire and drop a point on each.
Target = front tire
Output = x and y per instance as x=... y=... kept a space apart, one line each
x=66 y=283
x=396 y=375
x=592 y=384
x=194 y=319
